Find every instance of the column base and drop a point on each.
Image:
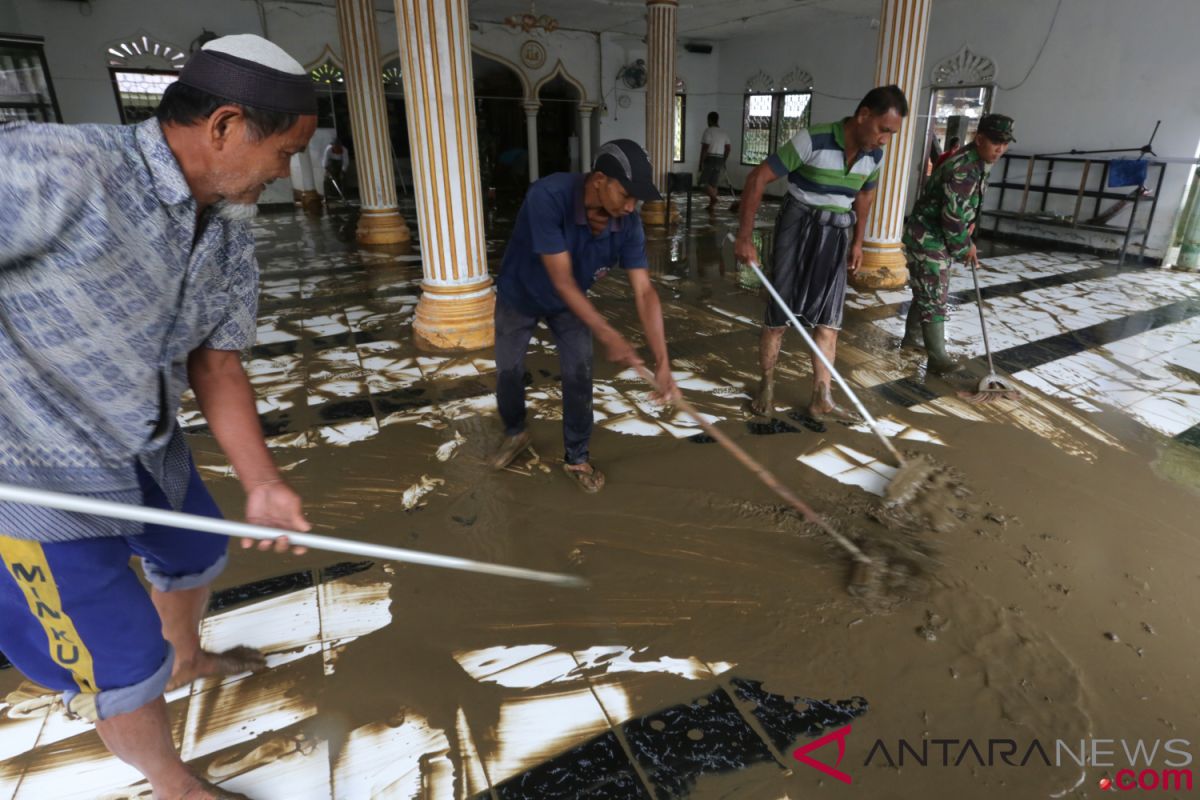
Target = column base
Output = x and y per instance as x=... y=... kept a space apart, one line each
x=654 y=212
x=883 y=267
x=311 y=202
x=382 y=226
x=455 y=318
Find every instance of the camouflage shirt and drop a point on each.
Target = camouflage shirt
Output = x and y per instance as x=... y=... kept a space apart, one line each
x=941 y=221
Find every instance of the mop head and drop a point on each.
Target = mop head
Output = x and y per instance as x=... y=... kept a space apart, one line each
x=992 y=389
x=925 y=501
x=915 y=476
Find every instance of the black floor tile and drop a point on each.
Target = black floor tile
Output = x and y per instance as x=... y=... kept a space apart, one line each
x=259 y=590
x=678 y=745
x=345 y=410
x=596 y=770
x=787 y=719
x=344 y=568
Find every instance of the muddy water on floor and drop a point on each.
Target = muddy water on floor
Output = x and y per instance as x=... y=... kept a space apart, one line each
x=1061 y=605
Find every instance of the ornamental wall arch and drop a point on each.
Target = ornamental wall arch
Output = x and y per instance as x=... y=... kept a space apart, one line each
x=560 y=71
x=529 y=94
x=327 y=56
x=144 y=50
x=964 y=68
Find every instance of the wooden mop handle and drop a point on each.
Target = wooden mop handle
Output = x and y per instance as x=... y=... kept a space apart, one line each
x=764 y=474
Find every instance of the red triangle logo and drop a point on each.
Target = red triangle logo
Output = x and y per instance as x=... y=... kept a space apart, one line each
x=801 y=753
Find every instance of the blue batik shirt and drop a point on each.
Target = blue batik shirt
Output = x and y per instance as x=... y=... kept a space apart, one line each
x=107 y=282
x=553 y=219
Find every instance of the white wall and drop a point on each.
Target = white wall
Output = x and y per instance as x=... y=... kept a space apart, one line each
x=9 y=22
x=839 y=54
x=1109 y=70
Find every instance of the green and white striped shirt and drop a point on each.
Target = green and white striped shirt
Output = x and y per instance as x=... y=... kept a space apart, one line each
x=815 y=162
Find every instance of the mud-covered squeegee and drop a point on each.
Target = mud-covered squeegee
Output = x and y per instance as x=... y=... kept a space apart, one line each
x=177 y=519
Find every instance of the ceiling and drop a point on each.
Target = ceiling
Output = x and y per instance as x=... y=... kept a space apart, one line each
x=710 y=20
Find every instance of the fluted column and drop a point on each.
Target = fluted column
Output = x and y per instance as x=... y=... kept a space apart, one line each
x=457 y=303
x=903 y=27
x=531 y=143
x=660 y=99
x=379 y=221
x=585 y=137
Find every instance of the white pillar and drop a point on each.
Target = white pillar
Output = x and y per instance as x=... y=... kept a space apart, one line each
x=660 y=99
x=379 y=221
x=531 y=115
x=585 y=136
x=903 y=28
x=457 y=302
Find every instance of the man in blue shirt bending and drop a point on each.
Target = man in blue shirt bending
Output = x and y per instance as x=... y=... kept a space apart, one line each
x=570 y=231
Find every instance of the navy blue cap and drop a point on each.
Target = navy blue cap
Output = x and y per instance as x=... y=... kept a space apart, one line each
x=629 y=163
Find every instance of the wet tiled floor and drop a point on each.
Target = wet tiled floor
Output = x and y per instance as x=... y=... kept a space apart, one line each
x=335 y=365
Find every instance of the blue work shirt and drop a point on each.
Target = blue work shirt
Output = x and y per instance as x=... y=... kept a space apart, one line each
x=107 y=282
x=553 y=219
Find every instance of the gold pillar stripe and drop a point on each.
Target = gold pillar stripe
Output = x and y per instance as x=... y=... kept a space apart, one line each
x=901 y=55
x=440 y=98
x=380 y=221
x=474 y=191
x=904 y=26
x=456 y=305
x=449 y=260
x=423 y=139
x=418 y=133
x=660 y=90
x=368 y=112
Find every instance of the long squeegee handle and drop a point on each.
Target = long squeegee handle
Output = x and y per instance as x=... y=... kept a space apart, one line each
x=177 y=519
x=828 y=365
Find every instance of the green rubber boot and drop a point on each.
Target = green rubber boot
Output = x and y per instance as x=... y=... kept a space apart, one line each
x=912 y=329
x=940 y=363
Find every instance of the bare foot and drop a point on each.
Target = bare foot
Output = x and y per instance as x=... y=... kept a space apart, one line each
x=833 y=411
x=764 y=403
x=203 y=790
x=206 y=665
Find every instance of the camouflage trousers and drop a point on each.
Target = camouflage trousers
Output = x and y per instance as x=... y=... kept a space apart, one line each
x=930 y=282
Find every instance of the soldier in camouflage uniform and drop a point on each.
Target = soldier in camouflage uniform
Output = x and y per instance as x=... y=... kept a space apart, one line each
x=939 y=231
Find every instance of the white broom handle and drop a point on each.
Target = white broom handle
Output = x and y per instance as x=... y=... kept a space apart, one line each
x=829 y=366
x=177 y=519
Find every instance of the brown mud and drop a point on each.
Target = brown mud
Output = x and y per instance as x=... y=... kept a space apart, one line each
x=993 y=626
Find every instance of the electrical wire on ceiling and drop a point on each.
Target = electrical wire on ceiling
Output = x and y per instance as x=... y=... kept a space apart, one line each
x=1041 y=50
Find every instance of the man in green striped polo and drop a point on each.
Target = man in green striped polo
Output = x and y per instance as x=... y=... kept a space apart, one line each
x=832 y=172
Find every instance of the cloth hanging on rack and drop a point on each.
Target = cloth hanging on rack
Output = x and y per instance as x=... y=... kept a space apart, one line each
x=1127 y=172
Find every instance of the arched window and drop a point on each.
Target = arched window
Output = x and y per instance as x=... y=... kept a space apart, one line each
x=141 y=68
x=773 y=111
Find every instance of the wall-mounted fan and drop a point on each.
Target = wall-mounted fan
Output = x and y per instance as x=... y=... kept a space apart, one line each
x=633 y=75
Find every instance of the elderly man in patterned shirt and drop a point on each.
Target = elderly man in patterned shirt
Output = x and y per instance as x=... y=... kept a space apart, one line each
x=127 y=274
x=939 y=231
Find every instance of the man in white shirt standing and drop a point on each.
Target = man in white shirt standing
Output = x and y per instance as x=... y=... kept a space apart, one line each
x=714 y=150
x=333 y=161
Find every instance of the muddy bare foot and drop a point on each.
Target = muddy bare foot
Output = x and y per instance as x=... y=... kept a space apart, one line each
x=588 y=478
x=203 y=790
x=764 y=402
x=832 y=411
x=207 y=665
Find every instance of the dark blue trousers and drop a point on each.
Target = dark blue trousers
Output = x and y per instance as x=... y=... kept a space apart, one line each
x=574 y=341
